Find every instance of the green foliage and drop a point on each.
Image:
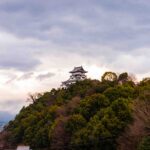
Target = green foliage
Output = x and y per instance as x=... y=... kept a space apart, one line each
x=90 y=105
x=99 y=113
x=145 y=144
x=75 y=123
x=123 y=91
x=103 y=127
x=123 y=77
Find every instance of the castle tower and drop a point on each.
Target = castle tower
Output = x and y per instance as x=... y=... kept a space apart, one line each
x=77 y=74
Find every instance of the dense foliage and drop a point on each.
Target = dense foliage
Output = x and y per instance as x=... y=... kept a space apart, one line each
x=89 y=115
x=145 y=144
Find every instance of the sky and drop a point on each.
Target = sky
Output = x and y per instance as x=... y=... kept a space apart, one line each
x=42 y=40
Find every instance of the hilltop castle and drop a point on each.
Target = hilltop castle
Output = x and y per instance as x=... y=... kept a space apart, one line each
x=77 y=74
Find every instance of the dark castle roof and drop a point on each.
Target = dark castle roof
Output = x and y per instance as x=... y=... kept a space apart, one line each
x=78 y=69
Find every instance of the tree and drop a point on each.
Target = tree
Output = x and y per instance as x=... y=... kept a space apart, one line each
x=144 y=144
x=90 y=105
x=33 y=97
x=109 y=76
x=123 y=77
x=75 y=122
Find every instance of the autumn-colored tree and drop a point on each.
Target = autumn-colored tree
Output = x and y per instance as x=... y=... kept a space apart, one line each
x=109 y=76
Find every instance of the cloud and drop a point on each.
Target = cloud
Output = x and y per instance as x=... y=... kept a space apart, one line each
x=26 y=76
x=17 y=61
x=104 y=22
x=5 y=116
x=67 y=23
x=29 y=76
x=11 y=79
x=45 y=76
x=11 y=107
x=15 y=53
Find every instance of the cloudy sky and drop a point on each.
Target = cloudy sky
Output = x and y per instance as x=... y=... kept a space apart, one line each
x=41 y=40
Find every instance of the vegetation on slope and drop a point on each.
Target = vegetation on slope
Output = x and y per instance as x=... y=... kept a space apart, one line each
x=138 y=132
x=89 y=115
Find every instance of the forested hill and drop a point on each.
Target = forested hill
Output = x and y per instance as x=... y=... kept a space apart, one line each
x=89 y=115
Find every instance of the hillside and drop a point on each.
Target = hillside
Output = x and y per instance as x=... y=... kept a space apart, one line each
x=89 y=115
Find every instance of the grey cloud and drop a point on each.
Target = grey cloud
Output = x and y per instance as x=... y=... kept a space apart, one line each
x=20 y=60
x=18 y=64
x=5 y=116
x=114 y=23
x=12 y=78
x=26 y=76
x=122 y=26
x=12 y=106
x=45 y=76
x=9 y=102
x=29 y=75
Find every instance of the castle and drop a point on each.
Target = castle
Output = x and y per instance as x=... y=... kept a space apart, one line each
x=77 y=74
